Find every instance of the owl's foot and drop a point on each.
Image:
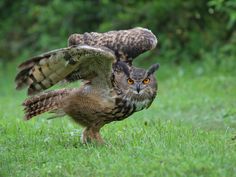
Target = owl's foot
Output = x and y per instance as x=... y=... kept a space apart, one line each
x=91 y=135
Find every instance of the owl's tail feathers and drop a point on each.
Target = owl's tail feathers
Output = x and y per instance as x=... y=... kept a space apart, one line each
x=49 y=101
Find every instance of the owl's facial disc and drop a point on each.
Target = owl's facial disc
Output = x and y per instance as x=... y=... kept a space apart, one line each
x=141 y=80
x=133 y=81
x=138 y=86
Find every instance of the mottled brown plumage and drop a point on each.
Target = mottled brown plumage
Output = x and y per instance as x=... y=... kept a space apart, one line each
x=112 y=88
x=126 y=44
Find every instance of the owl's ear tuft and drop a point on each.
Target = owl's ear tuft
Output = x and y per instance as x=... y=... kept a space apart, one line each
x=120 y=65
x=153 y=68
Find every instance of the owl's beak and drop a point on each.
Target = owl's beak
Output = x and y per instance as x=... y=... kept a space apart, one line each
x=138 y=87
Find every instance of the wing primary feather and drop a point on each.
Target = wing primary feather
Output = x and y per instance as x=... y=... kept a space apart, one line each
x=82 y=62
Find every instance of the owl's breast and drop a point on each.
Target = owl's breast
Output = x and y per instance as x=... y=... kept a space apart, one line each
x=140 y=105
x=138 y=101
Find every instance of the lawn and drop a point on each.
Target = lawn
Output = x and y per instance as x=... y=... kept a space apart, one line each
x=188 y=131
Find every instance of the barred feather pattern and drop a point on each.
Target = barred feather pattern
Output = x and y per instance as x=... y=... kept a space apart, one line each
x=44 y=102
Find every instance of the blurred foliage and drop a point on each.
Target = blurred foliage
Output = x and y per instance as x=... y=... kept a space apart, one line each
x=186 y=30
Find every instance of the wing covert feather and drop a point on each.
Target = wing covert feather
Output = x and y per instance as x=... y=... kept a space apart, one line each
x=126 y=44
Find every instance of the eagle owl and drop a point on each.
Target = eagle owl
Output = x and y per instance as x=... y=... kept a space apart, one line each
x=112 y=89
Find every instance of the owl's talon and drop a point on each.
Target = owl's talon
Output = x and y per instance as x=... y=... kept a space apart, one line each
x=90 y=135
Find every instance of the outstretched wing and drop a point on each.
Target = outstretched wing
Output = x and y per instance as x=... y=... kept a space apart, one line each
x=126 y=44
x=90 y=63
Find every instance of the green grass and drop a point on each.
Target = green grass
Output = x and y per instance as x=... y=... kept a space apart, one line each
x=187 y=131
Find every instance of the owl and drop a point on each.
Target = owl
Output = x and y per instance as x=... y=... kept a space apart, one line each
x=112 y=88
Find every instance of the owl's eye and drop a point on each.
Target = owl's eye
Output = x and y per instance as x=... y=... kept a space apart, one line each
x=130 y=81
x=146 y=81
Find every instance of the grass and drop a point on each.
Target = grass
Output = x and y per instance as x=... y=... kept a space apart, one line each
x=187 y=131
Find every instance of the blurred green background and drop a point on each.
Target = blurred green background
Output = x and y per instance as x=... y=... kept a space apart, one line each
x=188 y=131
x=187 y=30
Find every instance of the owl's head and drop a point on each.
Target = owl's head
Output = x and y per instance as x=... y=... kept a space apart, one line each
x=136 y=82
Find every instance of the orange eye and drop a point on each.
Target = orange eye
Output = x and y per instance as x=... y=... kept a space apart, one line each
x=146 y=81
x=130 y=81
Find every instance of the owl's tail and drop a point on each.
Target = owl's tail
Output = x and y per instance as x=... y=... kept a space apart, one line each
x=48 y=101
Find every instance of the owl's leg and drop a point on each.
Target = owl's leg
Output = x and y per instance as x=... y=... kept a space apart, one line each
x=91 y=134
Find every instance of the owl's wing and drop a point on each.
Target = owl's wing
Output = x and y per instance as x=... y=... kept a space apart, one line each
x=90 y=63
x=126 y=44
